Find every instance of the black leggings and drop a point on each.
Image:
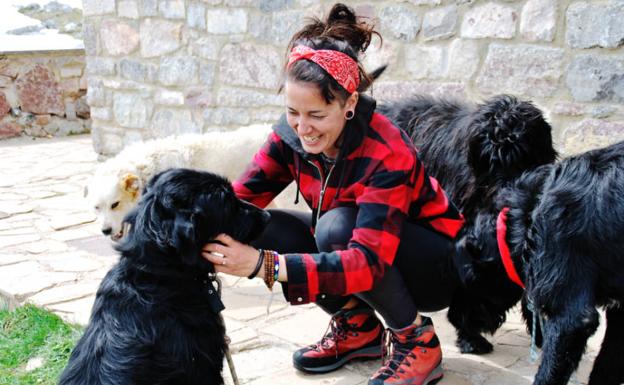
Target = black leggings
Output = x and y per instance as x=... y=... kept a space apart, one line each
x=420 y=278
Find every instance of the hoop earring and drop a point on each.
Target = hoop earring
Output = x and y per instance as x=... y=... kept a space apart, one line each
x=349 y=115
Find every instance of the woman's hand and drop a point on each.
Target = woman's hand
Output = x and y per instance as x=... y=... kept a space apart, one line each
x=231 y=256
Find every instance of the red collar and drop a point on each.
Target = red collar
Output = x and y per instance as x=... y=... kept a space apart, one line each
x=503 y=248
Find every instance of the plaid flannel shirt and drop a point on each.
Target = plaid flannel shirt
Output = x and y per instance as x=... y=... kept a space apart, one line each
x=377 y=172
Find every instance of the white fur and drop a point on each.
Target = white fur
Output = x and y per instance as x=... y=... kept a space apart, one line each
x=122 y=178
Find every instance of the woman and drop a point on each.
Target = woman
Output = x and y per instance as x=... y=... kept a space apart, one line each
x=380 y=229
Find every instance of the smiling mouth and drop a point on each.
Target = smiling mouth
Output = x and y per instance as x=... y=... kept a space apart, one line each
x=311 y=139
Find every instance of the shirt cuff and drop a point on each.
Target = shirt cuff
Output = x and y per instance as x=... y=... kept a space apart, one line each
x=298 y=290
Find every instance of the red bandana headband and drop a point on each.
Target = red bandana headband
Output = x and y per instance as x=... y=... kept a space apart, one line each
x=339 y=65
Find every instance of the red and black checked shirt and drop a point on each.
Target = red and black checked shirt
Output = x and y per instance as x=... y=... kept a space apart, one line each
x=379 y=174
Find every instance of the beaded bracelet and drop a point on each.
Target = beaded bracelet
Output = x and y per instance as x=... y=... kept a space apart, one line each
x=258 y=265
x=271 y=268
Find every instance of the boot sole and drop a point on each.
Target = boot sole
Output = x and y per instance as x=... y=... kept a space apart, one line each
x=362 y=354
x=435 y=376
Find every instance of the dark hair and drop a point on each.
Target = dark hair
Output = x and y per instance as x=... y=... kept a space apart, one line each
x=342 y=31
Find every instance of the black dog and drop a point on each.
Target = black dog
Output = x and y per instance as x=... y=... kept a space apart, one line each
x=564 y=233
x=156 y=315
x=474 y=151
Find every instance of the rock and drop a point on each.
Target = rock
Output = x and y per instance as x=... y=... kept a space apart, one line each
x=131 y=110
x=118 y=38
x=178 y=70
x=425 y=62
x=159 y=37
x=97 y=7
x=440 y=23
x=489 y=20
x=250 y=65
x=596 y=78
x=196 y=16
x=226 y=21
x=5 y=107
x=400 y=21
x=521 y=69
x=138 y=71
x=173 y=122
x=463 y=58
x=39 y=92
x=595 y=25
x=128 y=8
x=539 y=20
x=172 y=9
x=83 y=110
x=9 y=130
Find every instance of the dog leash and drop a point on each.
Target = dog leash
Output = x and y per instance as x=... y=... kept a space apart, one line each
x=228 y=354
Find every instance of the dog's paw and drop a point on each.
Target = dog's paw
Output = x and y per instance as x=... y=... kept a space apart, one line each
x=475 y=345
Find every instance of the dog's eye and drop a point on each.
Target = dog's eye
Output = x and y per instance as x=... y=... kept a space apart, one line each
x=114 y=205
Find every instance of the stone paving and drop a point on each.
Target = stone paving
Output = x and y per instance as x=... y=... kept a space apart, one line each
x=52 y=254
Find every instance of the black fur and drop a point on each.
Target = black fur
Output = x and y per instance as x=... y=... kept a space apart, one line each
x=474 y=151
x=156 y=315
x=566 y=237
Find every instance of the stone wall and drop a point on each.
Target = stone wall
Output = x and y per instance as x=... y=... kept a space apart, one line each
x=43 y=94
x=160 y=67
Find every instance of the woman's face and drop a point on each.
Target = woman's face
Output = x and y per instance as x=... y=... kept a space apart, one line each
x=317 y=123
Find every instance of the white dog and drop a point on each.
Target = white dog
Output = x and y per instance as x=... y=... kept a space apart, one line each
x=118 y=182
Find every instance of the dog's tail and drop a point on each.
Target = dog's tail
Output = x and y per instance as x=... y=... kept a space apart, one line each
x=508 y=137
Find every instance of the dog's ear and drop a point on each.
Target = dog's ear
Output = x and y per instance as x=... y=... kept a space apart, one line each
x=184 y=238
x=131 y=184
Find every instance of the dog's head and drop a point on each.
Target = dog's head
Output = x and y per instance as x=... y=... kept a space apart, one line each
x=509 y=136
x=181 y=210
x=112 y=197
x=480 y=267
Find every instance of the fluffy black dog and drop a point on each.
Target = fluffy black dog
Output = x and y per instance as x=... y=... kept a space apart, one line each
x=564 y=233
x=156 y=315
x=474 y=151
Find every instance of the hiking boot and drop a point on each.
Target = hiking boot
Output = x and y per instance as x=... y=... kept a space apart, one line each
x=413 y=357
x=352 y=333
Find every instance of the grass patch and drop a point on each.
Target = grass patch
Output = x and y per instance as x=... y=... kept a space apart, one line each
x=31 y=333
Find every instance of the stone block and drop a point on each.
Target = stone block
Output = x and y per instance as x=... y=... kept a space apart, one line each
x=100 y=66
x=538 y=20
x=97 y=7
x=101 y=113
x=104 y=143
x=168 y=121
x=596 y=78
x=70 y=87
x=250 y=65
x=97 y=94
x=196 y=16
x=440 y=23
x=233 y=97
x=149 y=8
x=426 y=2
x=398 y=89
x=5 y=81
x=224 y=116
x=226 y=21
x=178 y=70
x=400 y=21
x=131 y=110
x=5 y=106
x=591 y=133
x=159 y=37
x=9 y=130
x=200 y=98
x=39 y=92
x=172 y=9
x=423 y=62
x=118 y=38
x=137 y=70
x=83 y=110
x=90 y=37
x=284 y=25
x=522 y=69
x=71 y=72
x=464 y=57
x=595 y=25
x=206 y=48
x=489 y=20
x=70 y=110
x=169 y=98
x=128 y=9
x=207 y=73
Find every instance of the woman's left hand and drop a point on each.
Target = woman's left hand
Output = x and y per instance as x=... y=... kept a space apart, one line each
x=230 y=256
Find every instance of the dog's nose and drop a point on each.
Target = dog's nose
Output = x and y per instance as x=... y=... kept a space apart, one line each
x=107 y=231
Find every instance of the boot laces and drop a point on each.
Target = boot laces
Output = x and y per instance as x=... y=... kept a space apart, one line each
x=336 y=331
x=395 y=352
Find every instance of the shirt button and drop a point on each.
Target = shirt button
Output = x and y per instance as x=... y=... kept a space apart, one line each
x=300 y=299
